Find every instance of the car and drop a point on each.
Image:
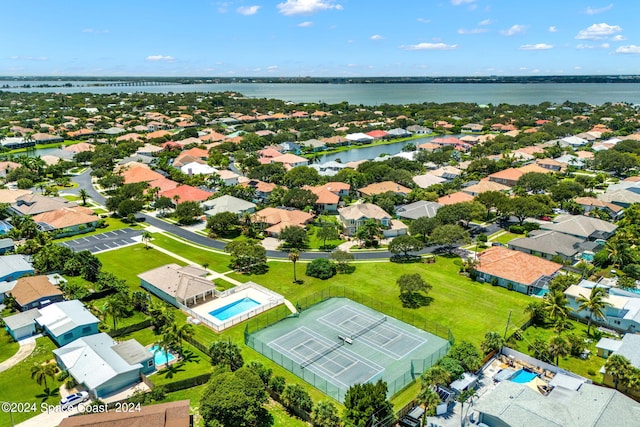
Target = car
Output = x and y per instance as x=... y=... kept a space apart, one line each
x=74 y=399
x=545 y=218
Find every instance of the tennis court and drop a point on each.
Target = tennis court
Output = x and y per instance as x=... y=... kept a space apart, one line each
x=338 y=342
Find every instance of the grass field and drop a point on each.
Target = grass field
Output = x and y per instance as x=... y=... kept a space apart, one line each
x=17 y=385
x=507 y=237
x=574 y=364
x=216 y=261
x=8 y=347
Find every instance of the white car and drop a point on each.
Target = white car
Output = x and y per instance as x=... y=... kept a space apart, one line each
x=74 y=399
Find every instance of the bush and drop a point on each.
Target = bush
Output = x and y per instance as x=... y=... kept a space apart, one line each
x=404 y=259
x=482 y=238
x=321 y=268
x=516 y=229
x=530 y=226
x=276 y=384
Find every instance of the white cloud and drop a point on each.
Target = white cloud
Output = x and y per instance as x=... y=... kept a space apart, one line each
x=459 y=2
x=306 y=7
x=515 y=29
x=485 y=22
x=472 y=31
x=424 y=20
x=618 y=38
x=28 y=58
x=376 y=37
x=305 y=24
x=272 y=68
x=593 y=46
x=553 y=29
x=160 y=58
x=628 y=49
x=598 y=31
x=537 y=46
x=430 y=46
x=594 y=11
x=248 y=10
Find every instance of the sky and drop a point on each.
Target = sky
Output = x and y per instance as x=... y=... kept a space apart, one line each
x=297 y=38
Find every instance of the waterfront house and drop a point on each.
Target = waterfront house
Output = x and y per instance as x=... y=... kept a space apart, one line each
x=515 y=270
x=178 y=285
x=104 y=366
x=359 y=137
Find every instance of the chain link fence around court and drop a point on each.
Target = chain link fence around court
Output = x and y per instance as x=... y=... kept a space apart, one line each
x=396 y=379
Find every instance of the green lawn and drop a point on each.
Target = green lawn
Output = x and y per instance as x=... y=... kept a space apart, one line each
x=507 y=237
x=17 y=385
x=281 y=417
x=8 y=347
x=216 y=261
x=574 y=364
x=128 y=262
x=316 y=243
x=112 y=224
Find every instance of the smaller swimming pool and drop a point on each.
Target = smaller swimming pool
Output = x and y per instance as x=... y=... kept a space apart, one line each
x=159 y=356
x=234 y=308
x=521 y=376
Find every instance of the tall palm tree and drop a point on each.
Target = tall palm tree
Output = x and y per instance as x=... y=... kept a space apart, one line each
x=146 y=237
x=165 y=342
x=40 y=372
x=84 y=196
x=619 y=368
x=558 y=346
x=430 y=399
x=556 y=304
x=294 y=256
x=180 y=332
x=594 y=304
x=616 y=252
x=434 y=376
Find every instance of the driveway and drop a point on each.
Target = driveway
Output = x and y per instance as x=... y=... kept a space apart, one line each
x=26 y=348
x=105 y=241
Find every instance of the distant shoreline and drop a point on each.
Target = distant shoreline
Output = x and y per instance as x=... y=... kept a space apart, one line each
x=91 y=81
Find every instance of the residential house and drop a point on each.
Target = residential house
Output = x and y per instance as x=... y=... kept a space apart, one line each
x=67 y=321
x=104 y=366
x=622 y=197
x=447 y=172
x=584 y=227
x=573 y=141
x=359 y=137
x=453 y=198
x=171 y=414
x=354 y=216
x=12 y=267
x=67 y=221
x=472 y=128
x=35 y=292
x=34 y=204
x=186 y=193
x=484 y=186
x=591 y=204
x=515 y=270
x=6 y=167
x=553 y=244
x=570 y=160
x=568 y=405
x=377 y=134
x=274 y=220
x=398 y=133
x=429 y=146
x=508 y=177
x=80 y=147
x=197 y=168
x=228 y=203
x=419 y=130
x=228 y=178
x=551 y=165
x=313 y=145
x=262 y=189
x=149 y=150
x=328 y=195
x=12 y=196
x=178 y=285
x=292 y=147
x=622 y=313
x=138 y=172
x=418 y=209
x=6 y=245
x=190 y=155
x=290 y=160
x=329 y=168
x=22 y=325
x=427 y=180
x=629 y=348
x=384 y=187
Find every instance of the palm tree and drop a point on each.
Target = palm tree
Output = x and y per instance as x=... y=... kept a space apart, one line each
x=84 y=196
x=146 y=237
x=435 y=375
x=556 y=305
x=179 y=332
x=595 y=305
x=294 y=256
x=615 y=252
x=619 y=368
x=40 y=372
x=430 y=399
x=464 y=397
x=558 y=346
x=535 y=312
x=165 y=342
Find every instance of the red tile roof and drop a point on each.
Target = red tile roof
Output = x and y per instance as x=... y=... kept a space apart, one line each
x=186 y=193
x=139 y=174
x=515 y=266
x=458 y=197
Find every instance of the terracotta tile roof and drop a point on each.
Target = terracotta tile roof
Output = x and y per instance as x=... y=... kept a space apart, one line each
x=458 y=197
x=592 y=201
x=163 y=184
x=511 y=174
x=80 y=147
x=158 y=134
x=10 y=196
x=515 y=266
x=383 y=187
x=325 y=196
x=30 y=289
x=261 y=186
x=334 y=140
x=377 y=133
x=141 y=173
x=484 y=186
x=289 y=159
x=171 y=414
x=213 y=136
x=5 y=166
x=186 y=193
x=273 y=216
x=67 y=217
x=533 y=167
x=429 y=146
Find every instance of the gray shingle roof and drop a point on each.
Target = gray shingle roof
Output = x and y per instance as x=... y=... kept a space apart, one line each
x=12 y=263
x=21 y=319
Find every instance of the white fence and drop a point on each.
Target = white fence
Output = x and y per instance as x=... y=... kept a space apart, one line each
x=509 y=352
x=274 y=300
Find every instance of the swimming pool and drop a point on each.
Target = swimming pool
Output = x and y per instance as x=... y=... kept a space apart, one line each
x=159 y=356
x=234 y=308
x=521 y=376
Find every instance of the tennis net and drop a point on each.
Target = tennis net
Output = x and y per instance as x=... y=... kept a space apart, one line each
x=321 y=355
x=368 y=328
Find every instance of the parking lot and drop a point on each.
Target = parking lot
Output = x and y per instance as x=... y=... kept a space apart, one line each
x=105 y=241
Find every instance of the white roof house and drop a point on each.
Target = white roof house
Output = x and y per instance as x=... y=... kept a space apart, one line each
x=574 y=141
x=359 y=137
x=65 y=317
x=195 y=168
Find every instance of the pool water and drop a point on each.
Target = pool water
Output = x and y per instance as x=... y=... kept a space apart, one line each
x=521 y=376
x=159 y=356
x=233 y=309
